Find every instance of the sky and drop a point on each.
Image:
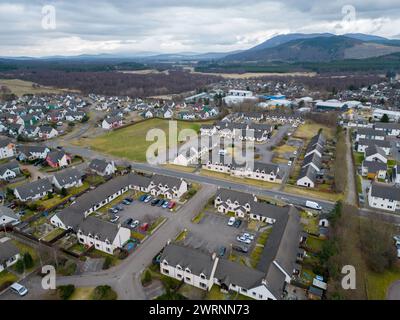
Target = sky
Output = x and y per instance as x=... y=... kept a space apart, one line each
x=46 y=28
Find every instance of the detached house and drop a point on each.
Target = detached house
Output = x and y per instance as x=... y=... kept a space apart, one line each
x=30 y=153
x=384 y=196
x=9 y=253
x=7 y=216
x=374 y=169
x=7 y=148
x=33 y=190
x=58 y=159
x=47 y=132
x=111 y=123
x=67 y=179
x=9 y=170
x=374 y=153
x=102 y=167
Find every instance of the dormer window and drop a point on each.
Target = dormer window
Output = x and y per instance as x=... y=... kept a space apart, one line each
x=188 y=270
x=202 y=275
x=179 y=267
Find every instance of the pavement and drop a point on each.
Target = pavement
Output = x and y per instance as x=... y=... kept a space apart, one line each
x=394 y=291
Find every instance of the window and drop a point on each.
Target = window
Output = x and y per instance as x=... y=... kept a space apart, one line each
x=166 y=271
x=203 y=285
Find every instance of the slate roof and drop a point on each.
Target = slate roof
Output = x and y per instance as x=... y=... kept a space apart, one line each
x=68 y=176
x=374 y=166
x=4 y=142
x=33 y=188
x=309 y=172
x=385 y=191
x=55 y=156
x=7 y=250
x=12 y=165
x=241 y=197
x=104 y=230
x=373 y=149
x=98 y=165
x=379 y=143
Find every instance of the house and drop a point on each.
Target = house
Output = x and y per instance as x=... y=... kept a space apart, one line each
x=259 y=171
x=30 y=131
x=7 y=148
x=208 y=130
x=394 y=116
x=370 y=134
x=9 y=170
x=67 y=179
x=167 y=186
x=102 y=167
x=384 y=196
x=9 y=253
x=74 y=115
x=7 y=216
x=374 y=153
x=47 y=132
x=363 y=144
x=33 y=190
x=148 y=114
x=313 y=160
x=307 y=177
x=111 y=123
x=390 y=129
x=374 y=169
x=58 y=159
x=30 y=153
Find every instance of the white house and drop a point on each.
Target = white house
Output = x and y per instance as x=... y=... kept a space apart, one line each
x=67 y=179
x=111 y=123
x=7 y=216
x=384 y=196
x=9 y=253
x=102 y=167
x=363 y=144
x=7 y=148
x=33 y=190
x=307 y=177
x=374 y=153
x=393 y=115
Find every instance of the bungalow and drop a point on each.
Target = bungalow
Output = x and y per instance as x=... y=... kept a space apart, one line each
x=67 y=179
x=47 y=132
x=307 y=177
x=374 y=169
x=7 y=148
x=384 y=196
x=9 y=253
x=374 y=153
x=9 y=170
x=58 y=159
x=370 y=134
x=102 y=167
x=111 y=123
x=33 y=190
x=7 y=216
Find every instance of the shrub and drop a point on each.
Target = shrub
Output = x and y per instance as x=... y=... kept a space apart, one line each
x=28 y=261
x=65 y=292
x=104 y=293
x=147 y=277
x=107 y=263
x=19 y=266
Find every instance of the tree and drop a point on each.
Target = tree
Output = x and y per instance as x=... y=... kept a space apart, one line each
x=107 y=263
x=19 y=266
x=64 y=192
x=385 y=118
x=65 y=292
x=147 y=277
x=85 y=118
x=104 y=293
x=28 y=261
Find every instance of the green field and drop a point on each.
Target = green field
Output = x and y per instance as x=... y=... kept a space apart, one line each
x=130 y=142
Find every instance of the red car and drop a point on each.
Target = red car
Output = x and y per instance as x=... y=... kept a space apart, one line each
x=171 y=204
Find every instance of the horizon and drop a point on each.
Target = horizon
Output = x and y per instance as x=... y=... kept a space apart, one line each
x=35 y=29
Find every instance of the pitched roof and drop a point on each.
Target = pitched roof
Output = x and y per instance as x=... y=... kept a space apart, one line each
x=98 y=165
x=56 y=155
x=7 y=249
x=68 y=176
x=374 y=166
x=374 y=149
x=385 y=191
x=12 y=165
x=241 y=197
x=33 y=188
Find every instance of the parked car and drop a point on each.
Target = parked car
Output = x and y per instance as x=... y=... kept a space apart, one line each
x=248 y=236
x=160 y=203
x=221 y=251
x=237 y=223
x=396 y=238
x=289 y=163
x=231 y=221
x=243 y=239
x=134 y=224
x=128 y=221
x=155 y=202
x=18 y=289
x=165 y=204
x=243 y=249
x=129 y=199
x=313 y=205
x=125 y=202
x=114 y=219
x=113 y=210
x=148 y=199
x=119 y=207
x=143 y=197
x=171 y=204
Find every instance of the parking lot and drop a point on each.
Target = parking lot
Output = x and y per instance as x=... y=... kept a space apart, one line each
x=213 y=232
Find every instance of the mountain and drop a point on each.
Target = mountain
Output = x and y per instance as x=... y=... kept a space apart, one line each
x=317 y=48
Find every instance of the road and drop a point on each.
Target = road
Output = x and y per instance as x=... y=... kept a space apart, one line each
x=394 y=291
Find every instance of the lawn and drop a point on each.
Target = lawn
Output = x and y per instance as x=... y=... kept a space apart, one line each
x=181 y=236
x=24 y=248
x=20 y=87
x=6 y=278
x=82 y=293
x=179 y=168
x=314 y=244
x=310 y=129
x=227 y=177
x=130 y=142
x=378 y=284
x=198 y=218
x=359 y=184
x=358 y=158
x=51 y=235
x=330 y=196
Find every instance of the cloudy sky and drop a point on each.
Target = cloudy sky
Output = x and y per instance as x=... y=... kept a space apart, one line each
x=126 y=26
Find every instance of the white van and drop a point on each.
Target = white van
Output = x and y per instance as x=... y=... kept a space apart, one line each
x=18 y=289
x=313 y=205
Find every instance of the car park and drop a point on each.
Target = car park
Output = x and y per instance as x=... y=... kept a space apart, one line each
x=160 y=203
x=248 y=236
x=114 y=219
x=155 y=202
x=148 y=199
x=119 y=207
x=243 y=239
x=242 y=249
x=128 y=221
x=143 y=197
x=19 y=289
x=231 y=221
x=113 y=210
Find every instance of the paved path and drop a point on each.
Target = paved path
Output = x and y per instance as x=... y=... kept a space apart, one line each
x=351 y=197
x=125 y=277
x=394 y=291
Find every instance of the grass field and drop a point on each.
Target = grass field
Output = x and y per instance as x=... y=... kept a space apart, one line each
x=310 y=129
x=82 y=293
x=130 y=142
x=330 y=196
x=179 y=168
x=20 y=87
x=378 y=284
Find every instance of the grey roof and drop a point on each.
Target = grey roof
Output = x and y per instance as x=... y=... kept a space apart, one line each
x=68 y=176
x=166 y=180
x=282 y=243
x=98 y=165
x=46 y=128
x=374 y=166
x=4 y=142
x=31 y=149
x=314 y=158
x=241 y=197
x=374 y=149
x=12 y=165
x=275 y=281
x=197 y=261
x=33 y=188
x=309 y=172
x=379 y=143
x=268 y=210
x=56 y=155
x=385 y=191
x=266 y=167
x=387 y=125
x=230 y=272
x=7 y=250
x=370 y=132
x=4 y=211
x=317 y=147
x=104 y=230
x=318 y=138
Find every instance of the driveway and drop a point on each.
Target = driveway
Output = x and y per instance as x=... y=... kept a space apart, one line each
x=394 y=291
